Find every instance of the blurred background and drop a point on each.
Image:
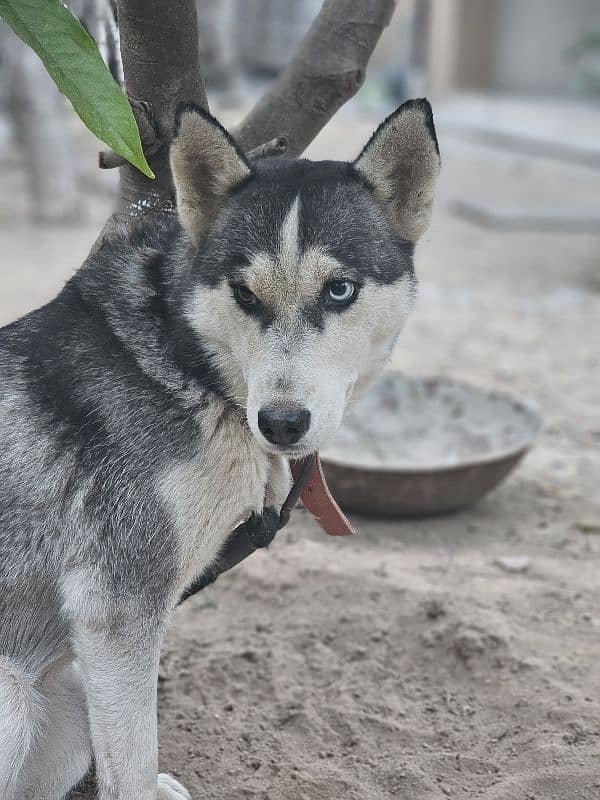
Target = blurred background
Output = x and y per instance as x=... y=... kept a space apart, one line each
x=378 y=660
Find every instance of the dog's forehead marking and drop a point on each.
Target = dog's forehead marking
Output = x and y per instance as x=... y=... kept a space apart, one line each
x=291 y=275
x=289 y=239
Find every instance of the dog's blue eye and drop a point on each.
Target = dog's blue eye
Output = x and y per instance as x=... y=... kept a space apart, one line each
x=244 y=296
x=340 y=293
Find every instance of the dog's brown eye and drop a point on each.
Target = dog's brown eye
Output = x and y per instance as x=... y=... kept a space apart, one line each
x=341 y=293
x=243 y=295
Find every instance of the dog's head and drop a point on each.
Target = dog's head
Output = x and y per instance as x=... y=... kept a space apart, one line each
x=302 y=274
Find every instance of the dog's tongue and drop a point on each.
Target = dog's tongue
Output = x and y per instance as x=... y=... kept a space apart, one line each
x=319 y=501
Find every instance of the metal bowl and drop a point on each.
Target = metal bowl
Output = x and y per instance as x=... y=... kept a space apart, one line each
x=415 y=447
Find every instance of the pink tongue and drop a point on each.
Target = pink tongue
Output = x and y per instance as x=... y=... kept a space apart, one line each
x=319 y=501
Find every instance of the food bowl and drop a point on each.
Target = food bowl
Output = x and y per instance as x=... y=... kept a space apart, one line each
x=415 y=447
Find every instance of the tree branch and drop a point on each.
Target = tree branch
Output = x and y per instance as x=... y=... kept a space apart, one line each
x=161 y=65
x=151 y=141
x=327 y=70
x=276 y=147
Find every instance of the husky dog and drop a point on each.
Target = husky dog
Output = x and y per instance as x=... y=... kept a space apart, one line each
x=151 y=407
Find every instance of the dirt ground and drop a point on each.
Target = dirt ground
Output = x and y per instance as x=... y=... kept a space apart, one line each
x=404 y=663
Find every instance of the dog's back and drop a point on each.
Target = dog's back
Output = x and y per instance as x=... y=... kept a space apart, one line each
x=80 y=434
x=94 y=413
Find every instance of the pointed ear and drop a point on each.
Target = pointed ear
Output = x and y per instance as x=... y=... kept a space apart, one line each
x=401 y=162
x=206 y=164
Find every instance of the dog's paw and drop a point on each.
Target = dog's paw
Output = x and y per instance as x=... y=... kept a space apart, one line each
x=170 y=789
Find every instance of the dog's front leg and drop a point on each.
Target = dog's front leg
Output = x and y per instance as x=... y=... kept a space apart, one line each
x=119 y=658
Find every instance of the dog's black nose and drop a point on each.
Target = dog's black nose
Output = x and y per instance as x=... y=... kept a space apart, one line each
x=283 y=424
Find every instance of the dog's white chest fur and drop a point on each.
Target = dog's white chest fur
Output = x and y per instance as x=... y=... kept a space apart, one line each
x=214 y=491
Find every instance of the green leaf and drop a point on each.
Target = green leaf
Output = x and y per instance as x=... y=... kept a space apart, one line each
x=72 y=59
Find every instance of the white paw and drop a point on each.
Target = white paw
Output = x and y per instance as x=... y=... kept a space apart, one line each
x=170 y=789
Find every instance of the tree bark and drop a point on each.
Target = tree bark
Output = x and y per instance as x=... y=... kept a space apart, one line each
x=161 y=65
x=327 y=70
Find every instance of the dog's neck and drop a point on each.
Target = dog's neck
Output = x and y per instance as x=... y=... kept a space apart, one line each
x=134 y=282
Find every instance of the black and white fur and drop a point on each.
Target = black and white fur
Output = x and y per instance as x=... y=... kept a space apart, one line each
x=131 y=437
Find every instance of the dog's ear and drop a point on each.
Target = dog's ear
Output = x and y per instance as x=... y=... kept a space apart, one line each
x=206 y=164
x=401 y=162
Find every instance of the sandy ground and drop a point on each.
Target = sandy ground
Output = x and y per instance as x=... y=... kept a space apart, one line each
x=405 y=663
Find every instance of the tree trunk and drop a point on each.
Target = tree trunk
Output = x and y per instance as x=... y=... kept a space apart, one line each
x=161 y=64
x=159 y=47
